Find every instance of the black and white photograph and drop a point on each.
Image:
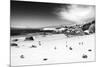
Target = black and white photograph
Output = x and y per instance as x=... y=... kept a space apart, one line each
x=44 y=33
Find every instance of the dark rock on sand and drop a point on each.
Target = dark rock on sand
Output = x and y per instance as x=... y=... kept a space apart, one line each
x=84 y=56
x=14 y=44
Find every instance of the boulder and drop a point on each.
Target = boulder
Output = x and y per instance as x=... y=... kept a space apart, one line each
x=29 y=38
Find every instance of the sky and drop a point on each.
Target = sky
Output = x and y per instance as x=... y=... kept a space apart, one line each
x=39 y=14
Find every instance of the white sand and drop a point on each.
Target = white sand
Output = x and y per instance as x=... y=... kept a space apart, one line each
x=55 y=48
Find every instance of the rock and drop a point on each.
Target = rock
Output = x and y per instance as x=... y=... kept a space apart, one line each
x=70 y=48
x=29 y=38
x=15 y=40
x=45 y=59
x=92 y=28
x=14 y=44
x=89 y=50
x=84 y=56
x=55 y=48
x=33 y=46
x=39 y=43
x=22 y=56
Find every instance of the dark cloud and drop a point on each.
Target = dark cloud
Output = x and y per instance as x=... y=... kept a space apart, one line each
x=37 y=14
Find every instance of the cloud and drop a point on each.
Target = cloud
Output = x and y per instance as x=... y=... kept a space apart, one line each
x=79 y=14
